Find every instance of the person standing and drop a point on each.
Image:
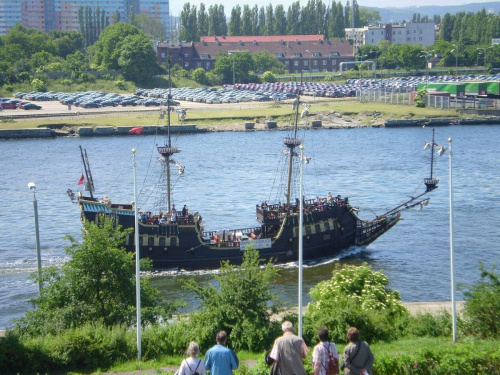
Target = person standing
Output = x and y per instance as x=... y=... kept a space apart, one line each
x=358 y=357
x=192 y=364
x=219 y=359
x=288 y=351
x=322 y=352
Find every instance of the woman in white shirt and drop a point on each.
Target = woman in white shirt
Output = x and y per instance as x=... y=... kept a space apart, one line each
x=192 y=365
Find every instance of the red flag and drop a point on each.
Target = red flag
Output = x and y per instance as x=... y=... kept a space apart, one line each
x=137 y=130
x=80 y=181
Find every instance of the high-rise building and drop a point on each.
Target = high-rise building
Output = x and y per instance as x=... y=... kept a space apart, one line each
x=10 y=14
x=62 y=15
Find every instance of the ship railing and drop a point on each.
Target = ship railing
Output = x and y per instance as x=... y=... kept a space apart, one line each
x=267 y=213
x=232 y=237
x=149 y=219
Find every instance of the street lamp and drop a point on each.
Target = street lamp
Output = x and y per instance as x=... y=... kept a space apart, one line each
x=426 y=55
x=310 y=62
x=455 y=50
x=32 y=186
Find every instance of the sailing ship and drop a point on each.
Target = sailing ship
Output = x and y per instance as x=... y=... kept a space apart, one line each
x=177 y=240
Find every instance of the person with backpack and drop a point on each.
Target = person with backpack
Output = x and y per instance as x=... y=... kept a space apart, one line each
x=192 y=365
x=358 y=357
x=325 y=358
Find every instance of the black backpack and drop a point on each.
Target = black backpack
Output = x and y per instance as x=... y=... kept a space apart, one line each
x=195 y=372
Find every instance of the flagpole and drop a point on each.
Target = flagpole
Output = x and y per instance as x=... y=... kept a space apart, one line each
x=137 y=263
x=301 y=223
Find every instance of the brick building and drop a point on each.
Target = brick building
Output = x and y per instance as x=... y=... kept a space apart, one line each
x=299 y=53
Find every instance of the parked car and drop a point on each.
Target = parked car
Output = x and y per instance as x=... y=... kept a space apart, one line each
x=31 y=106
x=8 y=105
x=22 y=104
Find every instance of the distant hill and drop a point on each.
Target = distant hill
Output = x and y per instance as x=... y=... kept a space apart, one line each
x=395 y=15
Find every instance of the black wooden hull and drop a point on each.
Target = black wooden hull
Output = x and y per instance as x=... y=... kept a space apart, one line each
x=183 y=245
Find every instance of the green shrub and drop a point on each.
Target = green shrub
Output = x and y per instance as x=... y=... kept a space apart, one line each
x=38 y=85
x=482 y=305
x=269 y=77
x=239 y=305
x=200 y=75
x=8 y=88
x=430 y=325
x=121 y=85
x=359 y=297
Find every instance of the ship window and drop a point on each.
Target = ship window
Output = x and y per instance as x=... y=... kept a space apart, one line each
x=308 y=229
x=162 y=241
x=151 y=241
x=327 y=226
x=317 y=228
x=173 y=241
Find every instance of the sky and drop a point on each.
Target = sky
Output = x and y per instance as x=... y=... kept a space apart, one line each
x=176 y=6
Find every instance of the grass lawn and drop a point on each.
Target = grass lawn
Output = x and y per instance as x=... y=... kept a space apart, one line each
x=226 y=117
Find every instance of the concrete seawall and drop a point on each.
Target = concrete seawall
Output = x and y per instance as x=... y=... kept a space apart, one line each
x=100 y=131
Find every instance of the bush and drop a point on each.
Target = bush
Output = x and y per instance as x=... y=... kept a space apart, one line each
x=8 y=88
x=121 y=85
x=482 y=305
x=430 y=325
x=38 y=85
x=269 y=77
x=199 y=75
x=359 y=297
x=240 y=305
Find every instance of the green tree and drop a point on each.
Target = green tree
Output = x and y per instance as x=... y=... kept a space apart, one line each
x=137 y=58
x=202 y=21
x=359 y=297
x=97 y=285
x=106 y=51
x=235 y=26
x=482 y=305
x=293 y=19
x=199 y=75
x=241 y=304
x=269 y=77
x=38 y=85
x=246 y=21
x=265 y=61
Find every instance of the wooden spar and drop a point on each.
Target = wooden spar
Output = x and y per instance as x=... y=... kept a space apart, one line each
x=88 y=173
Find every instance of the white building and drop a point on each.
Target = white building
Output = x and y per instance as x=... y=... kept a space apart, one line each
x=411 y=33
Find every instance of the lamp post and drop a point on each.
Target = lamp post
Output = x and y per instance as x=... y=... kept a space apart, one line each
x=137 y=263
x=426 y=55
x=310 y=63
x=453 y=308
x=32 y=186
x=455 y=51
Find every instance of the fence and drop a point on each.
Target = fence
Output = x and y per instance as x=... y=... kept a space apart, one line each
x=405 y=96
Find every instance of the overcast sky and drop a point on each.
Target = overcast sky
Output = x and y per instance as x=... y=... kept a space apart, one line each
x=176 y=6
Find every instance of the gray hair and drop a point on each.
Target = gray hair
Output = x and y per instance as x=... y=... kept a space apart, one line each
x=287 y=326
x=193 y=349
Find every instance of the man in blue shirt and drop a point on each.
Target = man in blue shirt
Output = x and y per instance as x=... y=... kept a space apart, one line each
x=219 y=359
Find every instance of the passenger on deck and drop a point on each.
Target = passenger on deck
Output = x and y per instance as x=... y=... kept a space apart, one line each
x=252 y=236
x=264 y=205
x=173 y=217
x=329 y=197
x=215 y=238
x=162 y=220
x=185 y=211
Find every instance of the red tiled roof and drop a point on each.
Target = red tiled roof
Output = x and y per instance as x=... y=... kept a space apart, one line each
x=261 y=38
x=287 y=49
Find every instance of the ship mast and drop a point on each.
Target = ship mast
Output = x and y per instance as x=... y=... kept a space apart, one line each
x=292 y=143
x=88 y=174
x=167 y=151
x=432 y=152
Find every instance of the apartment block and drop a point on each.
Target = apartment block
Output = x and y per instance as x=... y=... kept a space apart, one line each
x=62 y=15
x=422 y=33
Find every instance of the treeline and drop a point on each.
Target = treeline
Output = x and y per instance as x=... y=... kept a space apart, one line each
x=469 y=28
x=316 y=17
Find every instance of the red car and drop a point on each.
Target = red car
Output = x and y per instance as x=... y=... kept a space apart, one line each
x=8 y=105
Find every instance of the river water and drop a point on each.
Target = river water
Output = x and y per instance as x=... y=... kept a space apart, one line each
x=228 y=173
